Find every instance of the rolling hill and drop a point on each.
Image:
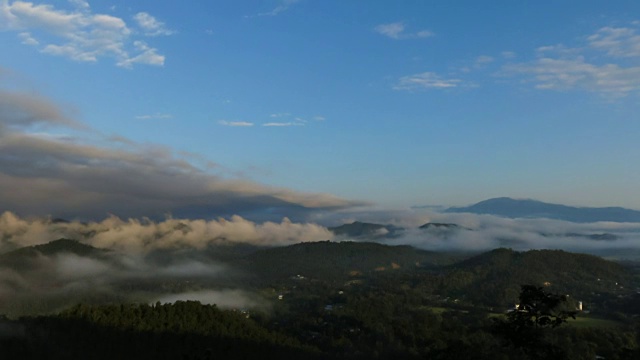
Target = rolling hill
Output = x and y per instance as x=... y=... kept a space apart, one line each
x=22 y=257
x=339 y=260
x=497 y=275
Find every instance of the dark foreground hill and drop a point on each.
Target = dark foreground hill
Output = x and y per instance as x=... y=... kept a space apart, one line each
x=514 y=208
x=39 y=282
x=328 y=260
x=495 y=277
x=405 y=304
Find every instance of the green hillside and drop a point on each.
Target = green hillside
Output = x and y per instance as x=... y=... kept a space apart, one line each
x=339 y=260
x=496 y=276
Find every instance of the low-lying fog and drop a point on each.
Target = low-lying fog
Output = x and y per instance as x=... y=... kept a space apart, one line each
x=170 y=260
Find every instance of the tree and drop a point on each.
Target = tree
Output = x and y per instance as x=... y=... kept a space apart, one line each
x=539 y=309
x=526 y=327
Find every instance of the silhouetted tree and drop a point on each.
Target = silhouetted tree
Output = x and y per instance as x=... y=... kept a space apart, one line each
x=527 y=325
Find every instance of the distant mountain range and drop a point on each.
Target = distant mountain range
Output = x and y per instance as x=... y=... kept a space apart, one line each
x=516 y=208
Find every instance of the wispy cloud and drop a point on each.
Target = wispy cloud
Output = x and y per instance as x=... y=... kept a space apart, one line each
x=396 y=31
x=27 y=39
x=559 y=67
x=616 y=42
x=283 y=124
x=282 y=6
x=478 y=63
x=610 y=80
x=278 y=120
x=292 y=120
x=154 y=116
x=424 y=81
x=151 y=26
x=146 y=55
x=483 y=60
x=80 y=34
x=235 y=123
x=279 y=115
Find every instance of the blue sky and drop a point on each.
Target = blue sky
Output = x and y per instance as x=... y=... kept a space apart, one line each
x=324 y=104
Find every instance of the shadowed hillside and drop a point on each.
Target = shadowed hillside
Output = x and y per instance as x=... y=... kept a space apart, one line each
x=495 y=277
x=339 y=260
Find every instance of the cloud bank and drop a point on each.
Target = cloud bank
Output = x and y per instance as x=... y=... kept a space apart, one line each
x=46 y=171
x=485 y=232
x=142 y=236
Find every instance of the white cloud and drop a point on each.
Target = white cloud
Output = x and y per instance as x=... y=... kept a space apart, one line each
x=80 y=4
x=150 y=25
x=617 y=42
x=154 y=116
x=392 y=30
x=425 y=80
x=508 y=54
x=609 y=80
x=424 y=34
x=78 y=33
x=283 y=6
x=560 y=67
x=478 y=63
x=397 y=31
x=283 y=124
x=27 y=39
x=319 y=118
x=279 y=115
x=235 y=123
x=147 y=55
x=133 y=235
x=484 y=59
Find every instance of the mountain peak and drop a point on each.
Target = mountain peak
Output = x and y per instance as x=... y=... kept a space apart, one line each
x=529 y=208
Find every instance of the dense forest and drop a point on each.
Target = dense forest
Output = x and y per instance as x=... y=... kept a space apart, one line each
x=346 y=300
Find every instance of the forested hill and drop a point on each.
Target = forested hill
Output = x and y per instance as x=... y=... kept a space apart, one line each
x=22 y=257
x=339 y=260
x=323 y=300
x=55 y=247
x=498 y=274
